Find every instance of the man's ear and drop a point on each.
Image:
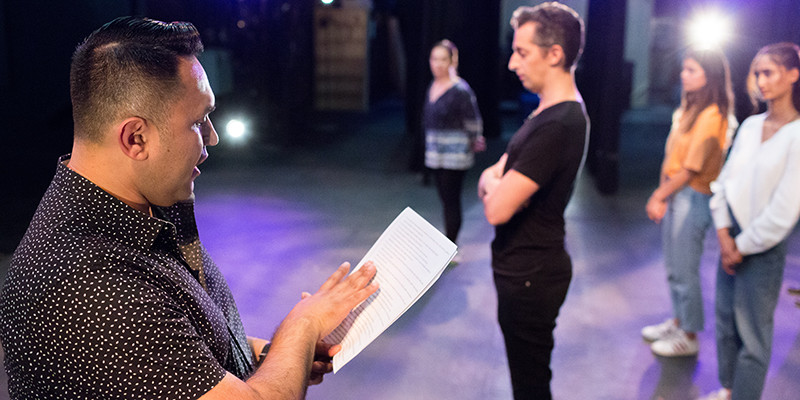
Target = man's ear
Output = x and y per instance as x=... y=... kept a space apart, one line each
x=134 y=136
x=555 y=55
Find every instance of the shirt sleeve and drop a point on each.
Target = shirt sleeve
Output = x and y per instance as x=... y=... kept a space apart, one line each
x=541 y=155
x=705 y=145
x=134 y=341
x=473 y=124
x=718 y=202
x=780 y=215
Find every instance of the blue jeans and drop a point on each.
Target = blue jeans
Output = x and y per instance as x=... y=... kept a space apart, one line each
x=745 y=309
x=683 y=233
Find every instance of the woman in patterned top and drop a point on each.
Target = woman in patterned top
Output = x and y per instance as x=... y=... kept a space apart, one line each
x=693 y=159
x=453 y=131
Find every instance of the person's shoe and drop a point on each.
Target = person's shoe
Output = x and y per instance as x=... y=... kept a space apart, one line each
x=721 y=394
x=651 y=333
x=677 y=344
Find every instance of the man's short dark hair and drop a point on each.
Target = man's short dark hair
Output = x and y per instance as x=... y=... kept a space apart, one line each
x=128 y=67
x=555 y=24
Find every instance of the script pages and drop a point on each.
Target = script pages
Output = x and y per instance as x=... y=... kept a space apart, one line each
x=409 y=256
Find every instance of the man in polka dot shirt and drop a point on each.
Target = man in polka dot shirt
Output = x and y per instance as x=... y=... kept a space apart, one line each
x=110 y=294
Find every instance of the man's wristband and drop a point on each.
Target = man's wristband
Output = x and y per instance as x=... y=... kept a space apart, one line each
x=263 y=354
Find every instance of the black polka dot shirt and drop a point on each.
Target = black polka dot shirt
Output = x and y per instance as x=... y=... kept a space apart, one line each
x=104 y=302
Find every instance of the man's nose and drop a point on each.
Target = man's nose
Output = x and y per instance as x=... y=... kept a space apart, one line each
x=210 y=137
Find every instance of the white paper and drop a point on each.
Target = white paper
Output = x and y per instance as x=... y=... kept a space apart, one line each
x=409 y=256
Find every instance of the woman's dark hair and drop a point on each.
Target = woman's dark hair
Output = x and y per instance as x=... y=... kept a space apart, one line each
x=717 y=90
x=128 y=67
x=785 y=54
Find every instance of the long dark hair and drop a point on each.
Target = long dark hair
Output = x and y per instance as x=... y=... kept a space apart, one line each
x=785 y=54
x=717 y=90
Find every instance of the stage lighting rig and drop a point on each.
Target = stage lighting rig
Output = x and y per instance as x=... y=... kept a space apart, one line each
x=709 y=29
x=236 y=130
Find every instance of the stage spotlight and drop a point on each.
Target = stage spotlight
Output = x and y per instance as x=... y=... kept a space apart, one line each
x=709 y=29
x=327 y=2
x=235 y=129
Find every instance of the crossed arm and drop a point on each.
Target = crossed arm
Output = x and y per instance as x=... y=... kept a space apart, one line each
x=290 y=364
x=503 y=195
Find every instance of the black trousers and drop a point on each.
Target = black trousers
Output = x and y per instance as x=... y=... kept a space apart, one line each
x=448 y=184
x=527 y=308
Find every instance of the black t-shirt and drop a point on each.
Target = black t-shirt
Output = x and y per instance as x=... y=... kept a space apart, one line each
x=549 y=149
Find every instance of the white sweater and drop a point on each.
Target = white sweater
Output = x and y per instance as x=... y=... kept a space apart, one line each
x=760 y=183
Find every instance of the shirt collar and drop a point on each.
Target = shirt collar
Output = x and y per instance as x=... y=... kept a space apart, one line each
x=108 y=215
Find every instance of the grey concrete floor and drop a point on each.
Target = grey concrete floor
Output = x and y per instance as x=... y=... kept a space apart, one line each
x=278 y=222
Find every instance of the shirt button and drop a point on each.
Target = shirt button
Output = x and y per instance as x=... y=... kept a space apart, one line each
x=527 y=283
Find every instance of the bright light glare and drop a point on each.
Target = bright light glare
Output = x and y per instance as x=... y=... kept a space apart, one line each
x=327 y=1
x=235 y=129
x=709 y=29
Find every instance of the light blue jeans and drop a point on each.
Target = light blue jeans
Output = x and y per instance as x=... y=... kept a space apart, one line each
x=745 y=309
x=683 y=232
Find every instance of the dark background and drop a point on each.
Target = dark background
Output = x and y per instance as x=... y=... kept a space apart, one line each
x=272 y=61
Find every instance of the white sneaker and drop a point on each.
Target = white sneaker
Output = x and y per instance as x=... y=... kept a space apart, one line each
x=663 y=330
x=721 y=394
x=677 y=344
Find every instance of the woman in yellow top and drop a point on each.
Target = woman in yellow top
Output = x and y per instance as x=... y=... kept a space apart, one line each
x=693 y=159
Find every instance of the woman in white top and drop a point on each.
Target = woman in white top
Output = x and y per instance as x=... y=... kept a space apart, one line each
x=755 y=205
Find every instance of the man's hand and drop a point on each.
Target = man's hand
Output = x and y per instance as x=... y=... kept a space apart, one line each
x=326 y=308
x=490 y=177
x=730 y=256
x=322 y=362
x=296 y=357
x=323 y=357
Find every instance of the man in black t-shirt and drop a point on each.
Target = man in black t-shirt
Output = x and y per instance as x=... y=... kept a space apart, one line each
x=525 y=193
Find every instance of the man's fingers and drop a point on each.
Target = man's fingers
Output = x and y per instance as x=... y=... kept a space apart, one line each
x=364 y=274
x=337 y=276
x=322 y=367
x=315 y=379
x=334 y=349
x=323 y=350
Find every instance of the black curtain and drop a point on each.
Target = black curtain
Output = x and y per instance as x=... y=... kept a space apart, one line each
x=604 y=81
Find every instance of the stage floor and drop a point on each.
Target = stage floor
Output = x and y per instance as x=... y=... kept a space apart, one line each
x=280 y=226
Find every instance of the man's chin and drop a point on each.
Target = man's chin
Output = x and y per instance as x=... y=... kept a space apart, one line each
x=182 y=198
x=188 y=198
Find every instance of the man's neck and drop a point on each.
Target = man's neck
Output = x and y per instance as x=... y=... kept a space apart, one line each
x=105 y=175
x=559 y=87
